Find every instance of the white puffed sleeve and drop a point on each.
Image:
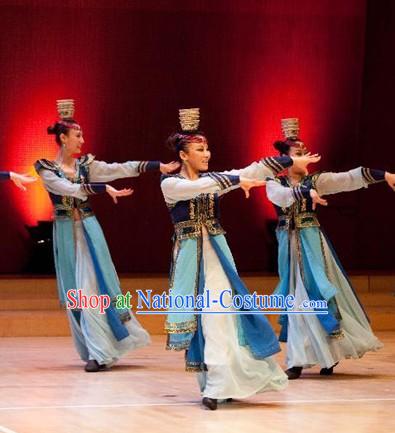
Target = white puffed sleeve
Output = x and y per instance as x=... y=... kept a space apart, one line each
x=100 y=171
x=60 y=186
x=278 y=194
x=176 y=189
x=266 y=167
x=333 y=183
x=284 y=196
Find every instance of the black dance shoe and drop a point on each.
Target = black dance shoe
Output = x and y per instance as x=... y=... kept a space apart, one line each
x=294 y=372
x=92 y=366
x=210 y=403
x=328 y=371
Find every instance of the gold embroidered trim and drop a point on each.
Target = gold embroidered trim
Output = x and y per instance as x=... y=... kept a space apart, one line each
x=300 y=258
x=324 y=255
x=302 y=220
x=193 y=369
x=306 y=219
x=337 y=334
x=66 y=209
x=178 y=347
x=180 y=327
x=193 y=229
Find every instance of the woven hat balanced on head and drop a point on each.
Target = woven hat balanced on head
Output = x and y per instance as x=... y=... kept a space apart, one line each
x=66 y=110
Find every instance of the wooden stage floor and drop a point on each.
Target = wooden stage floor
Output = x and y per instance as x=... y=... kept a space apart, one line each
x=43 y=389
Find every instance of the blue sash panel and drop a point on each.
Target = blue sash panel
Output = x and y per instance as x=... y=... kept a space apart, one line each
x=314 y=274
x=256 y=332
x=107 y=279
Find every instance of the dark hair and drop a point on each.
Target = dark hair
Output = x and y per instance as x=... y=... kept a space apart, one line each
x=61 y=127
x=284 y=146
x=178 y=141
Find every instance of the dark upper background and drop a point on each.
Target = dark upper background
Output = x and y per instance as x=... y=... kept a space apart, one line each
x=246 y=64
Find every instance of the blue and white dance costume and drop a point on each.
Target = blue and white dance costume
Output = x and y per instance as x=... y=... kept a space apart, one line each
x=232 y=354
x=310 y=270
x=4 y=175
x=82 y=258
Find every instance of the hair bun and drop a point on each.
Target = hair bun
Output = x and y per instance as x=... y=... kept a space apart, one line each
x=173 y=141
x=281 y=146
x=51 y=130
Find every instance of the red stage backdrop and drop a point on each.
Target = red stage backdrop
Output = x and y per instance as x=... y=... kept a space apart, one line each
x=246 y=64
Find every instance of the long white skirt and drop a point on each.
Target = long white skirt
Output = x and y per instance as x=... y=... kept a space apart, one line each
x=232 y=372
x=93 y=336
x=308 y=344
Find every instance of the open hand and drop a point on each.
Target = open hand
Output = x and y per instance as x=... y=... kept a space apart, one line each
x=115 y=193
x=247 y=184
x=21 y=179
x=317 y=199
x=303 y=161
x=169 y=167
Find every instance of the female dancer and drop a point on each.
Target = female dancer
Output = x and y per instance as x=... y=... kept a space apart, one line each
x=232 y=354
x=309 y=268
x=19 y=179
x=82 y=258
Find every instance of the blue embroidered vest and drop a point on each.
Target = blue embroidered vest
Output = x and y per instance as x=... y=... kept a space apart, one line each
x=301 y=214
x=189 y=216
x=64 y=205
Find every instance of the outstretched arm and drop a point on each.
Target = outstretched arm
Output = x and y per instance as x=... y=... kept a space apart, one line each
x=176 y=189
x=284 y=196
x=361 y=177
x=266 y=167
x=273 y=165
x=100 y=171
x=20 y=180
x=60 y=186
